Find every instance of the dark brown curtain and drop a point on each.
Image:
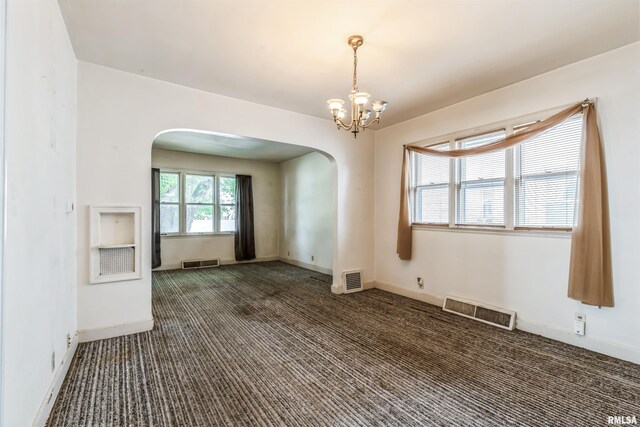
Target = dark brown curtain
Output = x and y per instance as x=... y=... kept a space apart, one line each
x=244 y=238
x=155 y=218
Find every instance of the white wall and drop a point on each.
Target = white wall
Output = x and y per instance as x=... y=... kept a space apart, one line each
x=266 y=197
x=525 y=273
x=39 y=280
x=307 y=211
x=120 y=114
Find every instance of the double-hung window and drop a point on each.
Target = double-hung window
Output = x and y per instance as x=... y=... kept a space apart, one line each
x=432 y=186
x=527 y=187
x=227 y=206
x=480 y=184
x=199 y=201
x=194 y=203
x=546 y=177
x=169 y=203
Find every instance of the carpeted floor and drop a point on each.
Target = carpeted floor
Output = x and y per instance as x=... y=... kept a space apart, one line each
x=268 y=344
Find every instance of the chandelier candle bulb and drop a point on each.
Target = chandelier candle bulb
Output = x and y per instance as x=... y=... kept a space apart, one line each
x=360 y=117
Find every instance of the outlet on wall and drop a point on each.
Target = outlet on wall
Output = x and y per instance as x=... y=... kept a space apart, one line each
x=68 y=340
x=420 y=282
x=579 y=323
x=288 y=253
x=313 y=258
x=53 y=361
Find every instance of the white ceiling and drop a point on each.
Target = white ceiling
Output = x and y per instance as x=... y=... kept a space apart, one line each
x=215 y=144
x=418 y=55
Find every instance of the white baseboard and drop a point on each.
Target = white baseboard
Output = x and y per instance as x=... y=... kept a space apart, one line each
x=94 y=334
x=312 y=267
x=619 y=351
x=54 y=389
x=228 y=261
x=409 y=293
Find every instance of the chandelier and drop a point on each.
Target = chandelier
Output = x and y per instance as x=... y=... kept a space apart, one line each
x=360 y=115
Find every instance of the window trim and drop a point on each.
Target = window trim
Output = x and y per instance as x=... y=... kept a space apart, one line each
x=182 y=211
x=510 y=126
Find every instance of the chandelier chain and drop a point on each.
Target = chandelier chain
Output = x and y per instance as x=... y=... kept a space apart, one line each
x=355 y=69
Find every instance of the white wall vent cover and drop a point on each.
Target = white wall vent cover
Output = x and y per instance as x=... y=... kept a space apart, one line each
x=499 y=317
x=114 y=249
x=352 y=281
x=200 y=263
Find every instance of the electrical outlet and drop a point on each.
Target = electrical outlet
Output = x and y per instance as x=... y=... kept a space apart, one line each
x=68 y=340
x=288 y=253
x=579 y=323
x=420 y=282
x=313 y=258
x=53 y=361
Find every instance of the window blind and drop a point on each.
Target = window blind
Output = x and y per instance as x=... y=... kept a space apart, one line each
x=432 y=187
x=481 y=183
x=546 y=174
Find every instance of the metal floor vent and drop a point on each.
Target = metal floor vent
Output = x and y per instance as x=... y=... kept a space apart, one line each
x=352 y=281
x=499 y=317
x=200 y=263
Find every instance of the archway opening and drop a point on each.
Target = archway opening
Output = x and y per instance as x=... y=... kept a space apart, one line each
x=294 y=195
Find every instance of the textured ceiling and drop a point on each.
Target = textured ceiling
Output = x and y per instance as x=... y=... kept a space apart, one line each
x=418 y=55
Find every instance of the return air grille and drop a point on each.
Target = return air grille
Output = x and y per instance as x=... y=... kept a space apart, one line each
x=352 y=281
x=481 y=312
x=200 y=263
x=116 y=260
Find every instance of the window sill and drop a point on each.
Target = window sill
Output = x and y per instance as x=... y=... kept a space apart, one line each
x=190 y=235
x=562 y=234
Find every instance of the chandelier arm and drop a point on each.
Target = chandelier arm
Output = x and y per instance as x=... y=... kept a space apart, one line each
x=371 y=122
x=341 y=124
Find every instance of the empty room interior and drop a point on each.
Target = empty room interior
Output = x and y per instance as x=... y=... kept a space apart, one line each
x=319 y=213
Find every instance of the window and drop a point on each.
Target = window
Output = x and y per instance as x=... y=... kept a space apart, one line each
x=546 y=173
x=432 y=187
x=169 y=203
x=481 y=183
x=530 y=186
x=196 y=203
x=200 y=203
x=227 y=204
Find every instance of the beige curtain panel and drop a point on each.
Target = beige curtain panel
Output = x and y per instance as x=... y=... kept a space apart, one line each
x=590 y=276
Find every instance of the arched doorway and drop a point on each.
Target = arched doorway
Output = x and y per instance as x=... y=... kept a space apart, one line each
x=294 y=196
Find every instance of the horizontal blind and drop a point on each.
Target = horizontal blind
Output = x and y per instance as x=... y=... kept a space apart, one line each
x=546 y=173
x=432 y=187
x=481 y=177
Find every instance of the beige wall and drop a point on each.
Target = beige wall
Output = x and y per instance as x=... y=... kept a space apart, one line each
x=307 y=211
x=266 y=198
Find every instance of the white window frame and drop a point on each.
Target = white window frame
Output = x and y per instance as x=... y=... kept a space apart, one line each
x=415 y=187
x=182 y=210
x=509 y=186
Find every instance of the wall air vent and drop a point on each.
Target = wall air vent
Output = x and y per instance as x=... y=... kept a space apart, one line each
x=200 y=263
x=499 y=317
x=352 y=281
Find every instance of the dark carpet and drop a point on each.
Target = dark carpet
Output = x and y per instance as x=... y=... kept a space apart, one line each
x=268 y=344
